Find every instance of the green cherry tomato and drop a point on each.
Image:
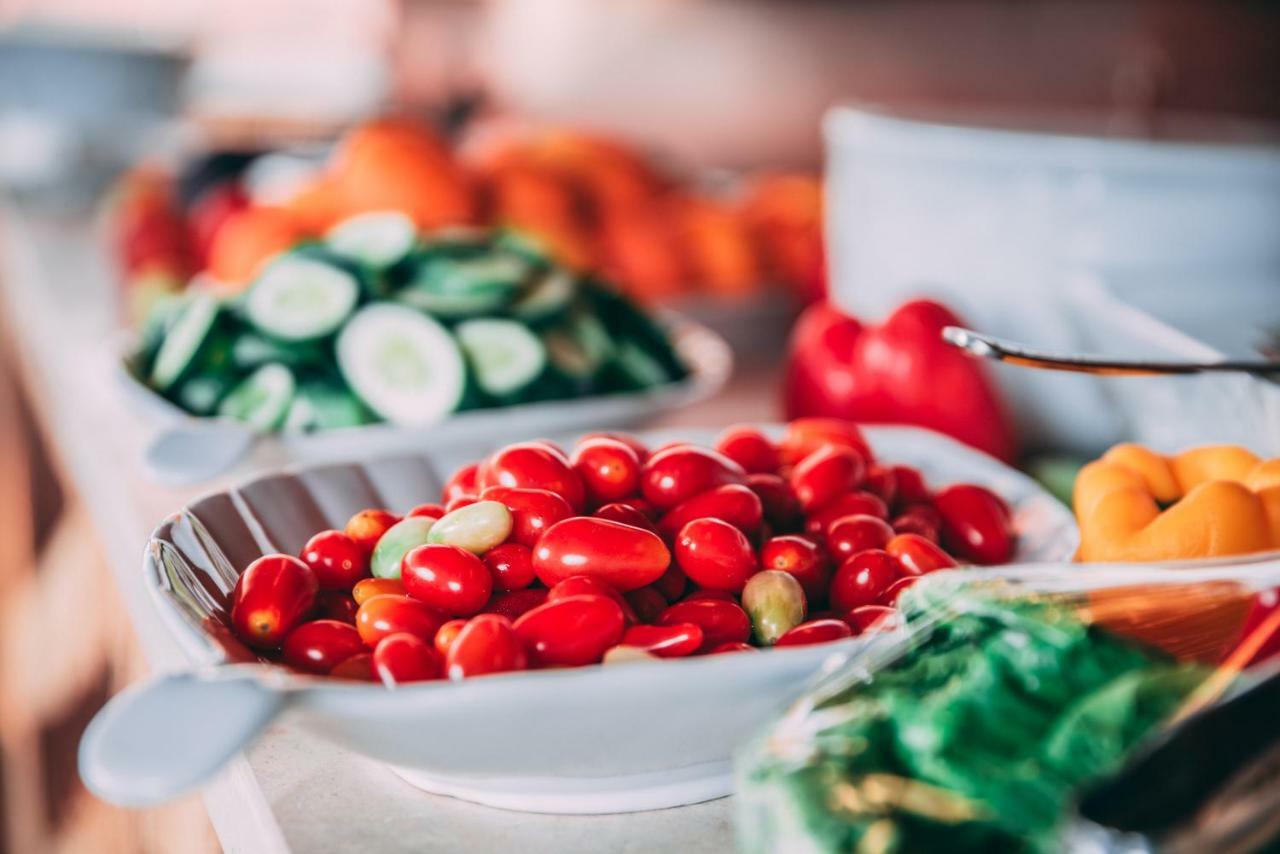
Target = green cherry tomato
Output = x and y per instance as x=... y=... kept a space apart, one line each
x=398 y=541
x=477 y=527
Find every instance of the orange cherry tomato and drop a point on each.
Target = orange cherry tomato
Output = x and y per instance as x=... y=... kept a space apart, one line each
x=367 y=588
x=734 y=503
x=337 y=560
x=802 y=558
x=620 y=555
x=402 y=657
x=671 y=641
x=678 y=473
x=826 y=474
x=917 y=555
x=534 y=465
x=511 y=565
x=320 y=645
x=487 y=644
x=532 y=510
x=368 y=526
x=721 y=621
x=572 y=631
x=447 y=634
x=863 y=579
x=714 y=554
x=389 y=614
x=610 y=469
x=815 y=631
x=273 y=594
x=749 y=448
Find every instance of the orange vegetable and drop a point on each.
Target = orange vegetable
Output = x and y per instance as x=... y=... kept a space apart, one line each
x=784 y=215
x=638 y=252
x=716 y=246
x=247 y=239
x=1135 y=504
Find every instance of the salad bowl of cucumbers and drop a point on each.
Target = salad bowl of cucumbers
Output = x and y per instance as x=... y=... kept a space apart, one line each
x=404 y=337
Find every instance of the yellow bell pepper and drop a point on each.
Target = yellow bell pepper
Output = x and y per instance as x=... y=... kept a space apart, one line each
x=1134 y=504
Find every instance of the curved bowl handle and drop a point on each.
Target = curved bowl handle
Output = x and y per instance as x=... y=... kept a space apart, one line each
x=164 y=737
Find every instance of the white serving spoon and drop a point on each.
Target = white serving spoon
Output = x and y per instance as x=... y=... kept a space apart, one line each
x=196 y=451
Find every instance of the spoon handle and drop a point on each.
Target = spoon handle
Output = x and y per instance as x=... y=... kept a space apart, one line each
x=989 y=347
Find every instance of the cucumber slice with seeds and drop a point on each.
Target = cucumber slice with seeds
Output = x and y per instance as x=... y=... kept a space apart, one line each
x=183 y=340
x=403 y=365
x=505 y=356
x=378 y=239
x=324 y=405
x=262 y=399
x=300 y=299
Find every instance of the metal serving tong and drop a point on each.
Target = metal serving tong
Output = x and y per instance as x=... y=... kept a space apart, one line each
x=1000 y=350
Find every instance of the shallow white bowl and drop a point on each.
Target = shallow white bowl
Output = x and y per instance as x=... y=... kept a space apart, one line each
x=585 y=740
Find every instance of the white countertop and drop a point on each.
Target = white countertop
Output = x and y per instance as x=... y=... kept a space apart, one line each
x=291 y=791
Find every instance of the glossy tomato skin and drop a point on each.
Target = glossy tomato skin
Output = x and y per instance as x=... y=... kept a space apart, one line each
x=320 y=645
x=849 y=535
x=882 y=483
x=919 y=519
x=849 y=504
x=778 y=500
x=401 y=658
x=512 y=605
x=800 y=557
x=357 y=667
x=721 y=621
x=389 y=614
x=715 y=555
x=487 y=644
x=863 y=579
x=534 y=465
x=731 y=646
x=446 y=635
x=749 y=448
x=894 y=590
x=806 y=435
x=449 y=579
x=462 y=483
x=610 y=470
x=337 y=560
x=815 y=631
x=671 y=641
x=368 y=526
x=626 y=514
x=620 y=555
x=427 y=511
x=572 y=631
x=826 y=474
x=273 y=594
x=917 y=555
x=532 y=510
x=585 y=585
x=678 y=473
x=336 y=605
x=511 y=565
x=734 y=503
x=873 y=618
x=646 y=603
x=640 y=448
x=975 y=523
x=367 y=588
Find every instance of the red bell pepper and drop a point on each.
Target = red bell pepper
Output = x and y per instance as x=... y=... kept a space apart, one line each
x=898 y=372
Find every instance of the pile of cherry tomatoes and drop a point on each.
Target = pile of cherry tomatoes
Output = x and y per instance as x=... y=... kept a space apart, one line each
x=535 y=557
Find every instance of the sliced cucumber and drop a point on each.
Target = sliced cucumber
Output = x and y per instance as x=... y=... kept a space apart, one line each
x=202 y=393
x=262 y=399
x=637 y=368
x=452 y=306
x=580 y=347
x=505 y=356
x=298 y=298
x=324 y=405
x=524 y=244
x=188 y=332
x=378 y=239
x=548 y=298
x=403 y=365
x=250 y=350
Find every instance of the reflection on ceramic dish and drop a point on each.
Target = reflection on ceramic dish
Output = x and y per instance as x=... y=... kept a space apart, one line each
x=582 y=740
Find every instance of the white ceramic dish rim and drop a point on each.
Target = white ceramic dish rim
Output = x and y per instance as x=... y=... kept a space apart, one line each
x=332 y=693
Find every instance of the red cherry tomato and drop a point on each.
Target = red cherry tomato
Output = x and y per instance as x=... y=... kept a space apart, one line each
x=533 y=465
x=460 y=502
x=849 y=504
x=337 y=560
x=734 y=503
x=827 y=474
x=610 y=470
x=646 y=604
x=487 y=644
x=678 y=473
x=749 y=448
x=806 y=435
x=672 y=584
x=873 y=618
x=975 y=523
x=512 y=605
x=320 y=645
x=849 y=535
x=626 y=514
x=640 y=448
x=447 y=634
x=815 y=631
x=532 y=510
x=802 y=558
x=585 y=585
x=917 y=555
x=919 y=519
x=388 y=614
x=273 y=594
x=463 y=482
x=715 y=554
x=402 y=658
x=720 y=621
x=910 y=484
x=1257 y=630
x=336 y=605
x=731 y=646
x=894 y=590
x=718 y=595
x=620 y=555
x=781 y=508
x=863 y=579
x=671 y=641
x=367 y=588
x=357 y=667
x=449 y=579
x=428 y=511
x=511 y=565
x=368 y=526
x=882 y=483
x=571 y=632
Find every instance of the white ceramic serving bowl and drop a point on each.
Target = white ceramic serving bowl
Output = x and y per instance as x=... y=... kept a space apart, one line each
x=186 y=449
x=1001 y=223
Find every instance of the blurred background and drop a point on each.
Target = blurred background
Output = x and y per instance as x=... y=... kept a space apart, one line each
x=698 y=125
